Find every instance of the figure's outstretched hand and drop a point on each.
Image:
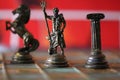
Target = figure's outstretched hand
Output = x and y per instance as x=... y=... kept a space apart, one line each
x=47 y=37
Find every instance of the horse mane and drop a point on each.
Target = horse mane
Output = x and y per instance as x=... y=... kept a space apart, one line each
x=26 y=16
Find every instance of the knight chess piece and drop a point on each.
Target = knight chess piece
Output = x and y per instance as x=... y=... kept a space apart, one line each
x=56 y=38
x=18 y=27
x=97 y=59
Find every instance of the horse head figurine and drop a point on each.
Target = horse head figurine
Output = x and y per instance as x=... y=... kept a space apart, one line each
x=18 y=27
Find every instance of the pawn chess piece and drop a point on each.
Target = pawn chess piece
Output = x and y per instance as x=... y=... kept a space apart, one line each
x=18 y=27
x=97 y=59
x=56 y=39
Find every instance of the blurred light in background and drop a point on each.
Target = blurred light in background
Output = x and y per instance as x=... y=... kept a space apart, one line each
x=77 y=32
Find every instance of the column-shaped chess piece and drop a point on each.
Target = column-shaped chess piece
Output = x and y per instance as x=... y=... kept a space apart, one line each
x=18 y=27
x=97 y=59
x=56 y=39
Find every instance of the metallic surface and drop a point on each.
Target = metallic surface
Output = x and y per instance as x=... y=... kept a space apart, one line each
x=18 y=27
x=56 y=60
x=55 y=38
x=97 y=59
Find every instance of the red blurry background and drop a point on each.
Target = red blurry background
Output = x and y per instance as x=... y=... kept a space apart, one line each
x=77 y=32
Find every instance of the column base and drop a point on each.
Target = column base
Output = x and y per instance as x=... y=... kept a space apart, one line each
x=97 y=61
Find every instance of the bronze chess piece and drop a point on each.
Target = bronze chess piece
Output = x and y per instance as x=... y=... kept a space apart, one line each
x=56 y=38
x=97 y=59
x=18 y=27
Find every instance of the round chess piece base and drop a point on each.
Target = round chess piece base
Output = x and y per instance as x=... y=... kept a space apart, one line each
x=22 y=58
x=97 y=62
x=56 y=60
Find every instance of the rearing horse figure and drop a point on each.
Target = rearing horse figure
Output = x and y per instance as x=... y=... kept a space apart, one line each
x=18 y=27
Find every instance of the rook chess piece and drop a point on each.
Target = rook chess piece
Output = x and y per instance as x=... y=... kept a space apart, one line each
x=56 y=39
x=18 y=27
x=97 y=59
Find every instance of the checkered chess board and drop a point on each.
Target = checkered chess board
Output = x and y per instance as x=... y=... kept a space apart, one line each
x=76 y=70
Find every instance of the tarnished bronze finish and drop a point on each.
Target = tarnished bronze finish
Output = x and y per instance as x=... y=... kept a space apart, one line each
x=56 y=60
x=55 y=37
x=22 y=57
x=18 y=27
x=97 y=59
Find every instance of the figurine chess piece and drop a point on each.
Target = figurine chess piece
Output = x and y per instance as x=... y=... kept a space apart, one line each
x=97 y=59
x=56 y=38
x=18 y=27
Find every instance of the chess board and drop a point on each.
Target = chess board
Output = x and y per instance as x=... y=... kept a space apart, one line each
x=76 y=70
